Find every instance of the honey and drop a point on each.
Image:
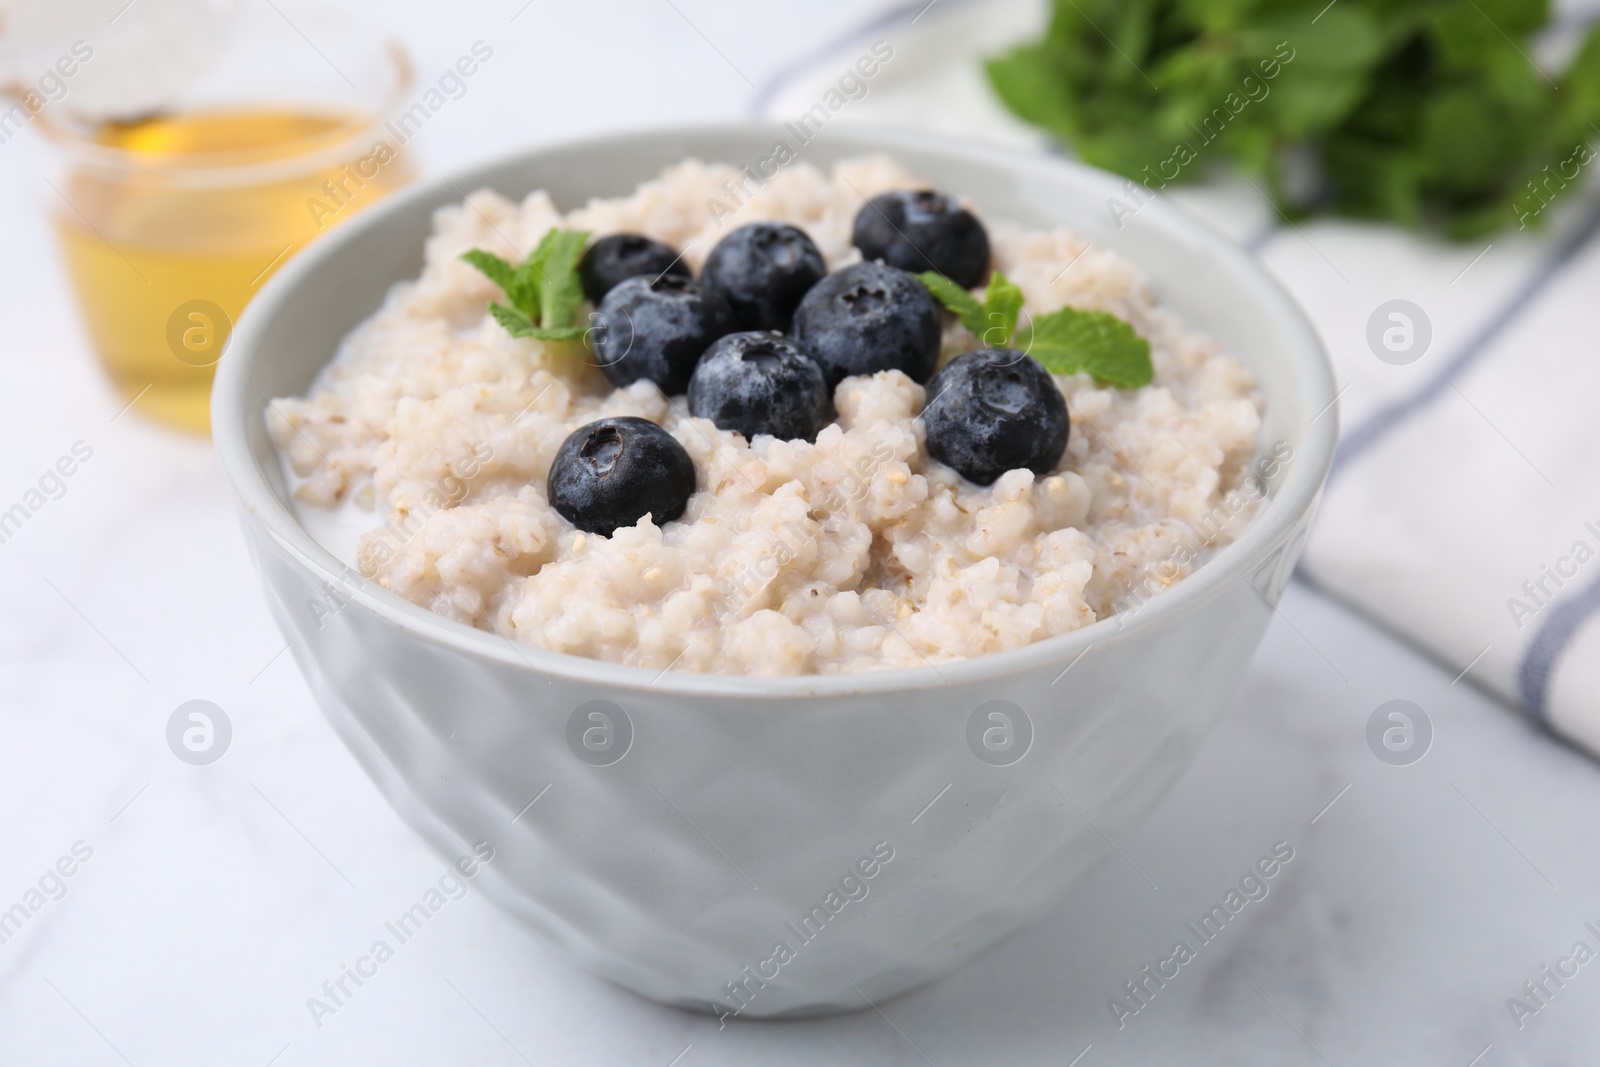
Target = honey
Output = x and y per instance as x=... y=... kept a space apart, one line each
x=167 y=243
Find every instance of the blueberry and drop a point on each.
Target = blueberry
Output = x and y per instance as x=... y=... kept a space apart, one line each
x=622 y=256
x=992 y=411
x=923 y=230
x=760 y=382
x=613 y=472
x=656 y=328
x=868 y=318
x=763 y=270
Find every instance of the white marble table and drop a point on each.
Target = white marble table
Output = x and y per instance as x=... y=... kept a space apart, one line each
x=217 y=899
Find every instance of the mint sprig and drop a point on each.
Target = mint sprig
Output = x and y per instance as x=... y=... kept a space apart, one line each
x=543 y=292
x=1068 y=341
x=992 y=319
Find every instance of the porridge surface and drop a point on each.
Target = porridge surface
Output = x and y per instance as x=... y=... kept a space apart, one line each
x=853 y=553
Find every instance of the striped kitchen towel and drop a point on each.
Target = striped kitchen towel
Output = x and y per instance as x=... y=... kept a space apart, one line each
x=1463 y=512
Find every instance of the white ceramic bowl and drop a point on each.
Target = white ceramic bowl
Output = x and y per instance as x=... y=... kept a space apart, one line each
x=739 y=804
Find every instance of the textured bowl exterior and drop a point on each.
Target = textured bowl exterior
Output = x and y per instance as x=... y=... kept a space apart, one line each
x=770 y=847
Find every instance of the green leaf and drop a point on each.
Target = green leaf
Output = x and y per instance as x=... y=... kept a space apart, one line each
x=994 y=319
x=517 y=323
x=543 y=293
x=1002 y=303
x=1217 y=14
x=1581 y=85
x=1346 y=37
x=1371 y=181
x=1312 y=102
x=1070 y=341
x=559 y=333
x=521 y=291
x=1466 y=137
x=494 y=268
x=1029 y=82
x=956 y=299
x=1516 y=16
x=555 y=263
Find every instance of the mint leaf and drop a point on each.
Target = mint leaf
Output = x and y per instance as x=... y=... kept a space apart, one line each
x=517 y=323
x=1033 y=84
x=555 y=264
x=518 y=283
x=543 y=292
x=559 y=333
x=956 y=299
x=1002 y=303
x=1070 y=341
x=994 y=319
x=494 y=268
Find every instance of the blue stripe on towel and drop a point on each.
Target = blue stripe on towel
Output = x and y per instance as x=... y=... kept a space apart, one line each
x=1556 y=633
x=1558 y=629
x=1392 y=415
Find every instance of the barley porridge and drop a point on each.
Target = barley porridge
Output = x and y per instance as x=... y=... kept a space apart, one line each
x=854 y=551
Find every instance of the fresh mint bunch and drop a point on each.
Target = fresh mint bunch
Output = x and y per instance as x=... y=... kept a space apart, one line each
x=1428 y=112
x=543 y=292
x=1068 y=341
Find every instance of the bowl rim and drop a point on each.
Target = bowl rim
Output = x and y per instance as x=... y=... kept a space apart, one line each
x=233 y=406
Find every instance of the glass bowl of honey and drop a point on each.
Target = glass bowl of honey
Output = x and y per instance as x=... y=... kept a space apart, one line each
x=170 y=220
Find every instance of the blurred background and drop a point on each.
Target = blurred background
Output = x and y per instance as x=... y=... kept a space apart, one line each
x=1418 y=175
